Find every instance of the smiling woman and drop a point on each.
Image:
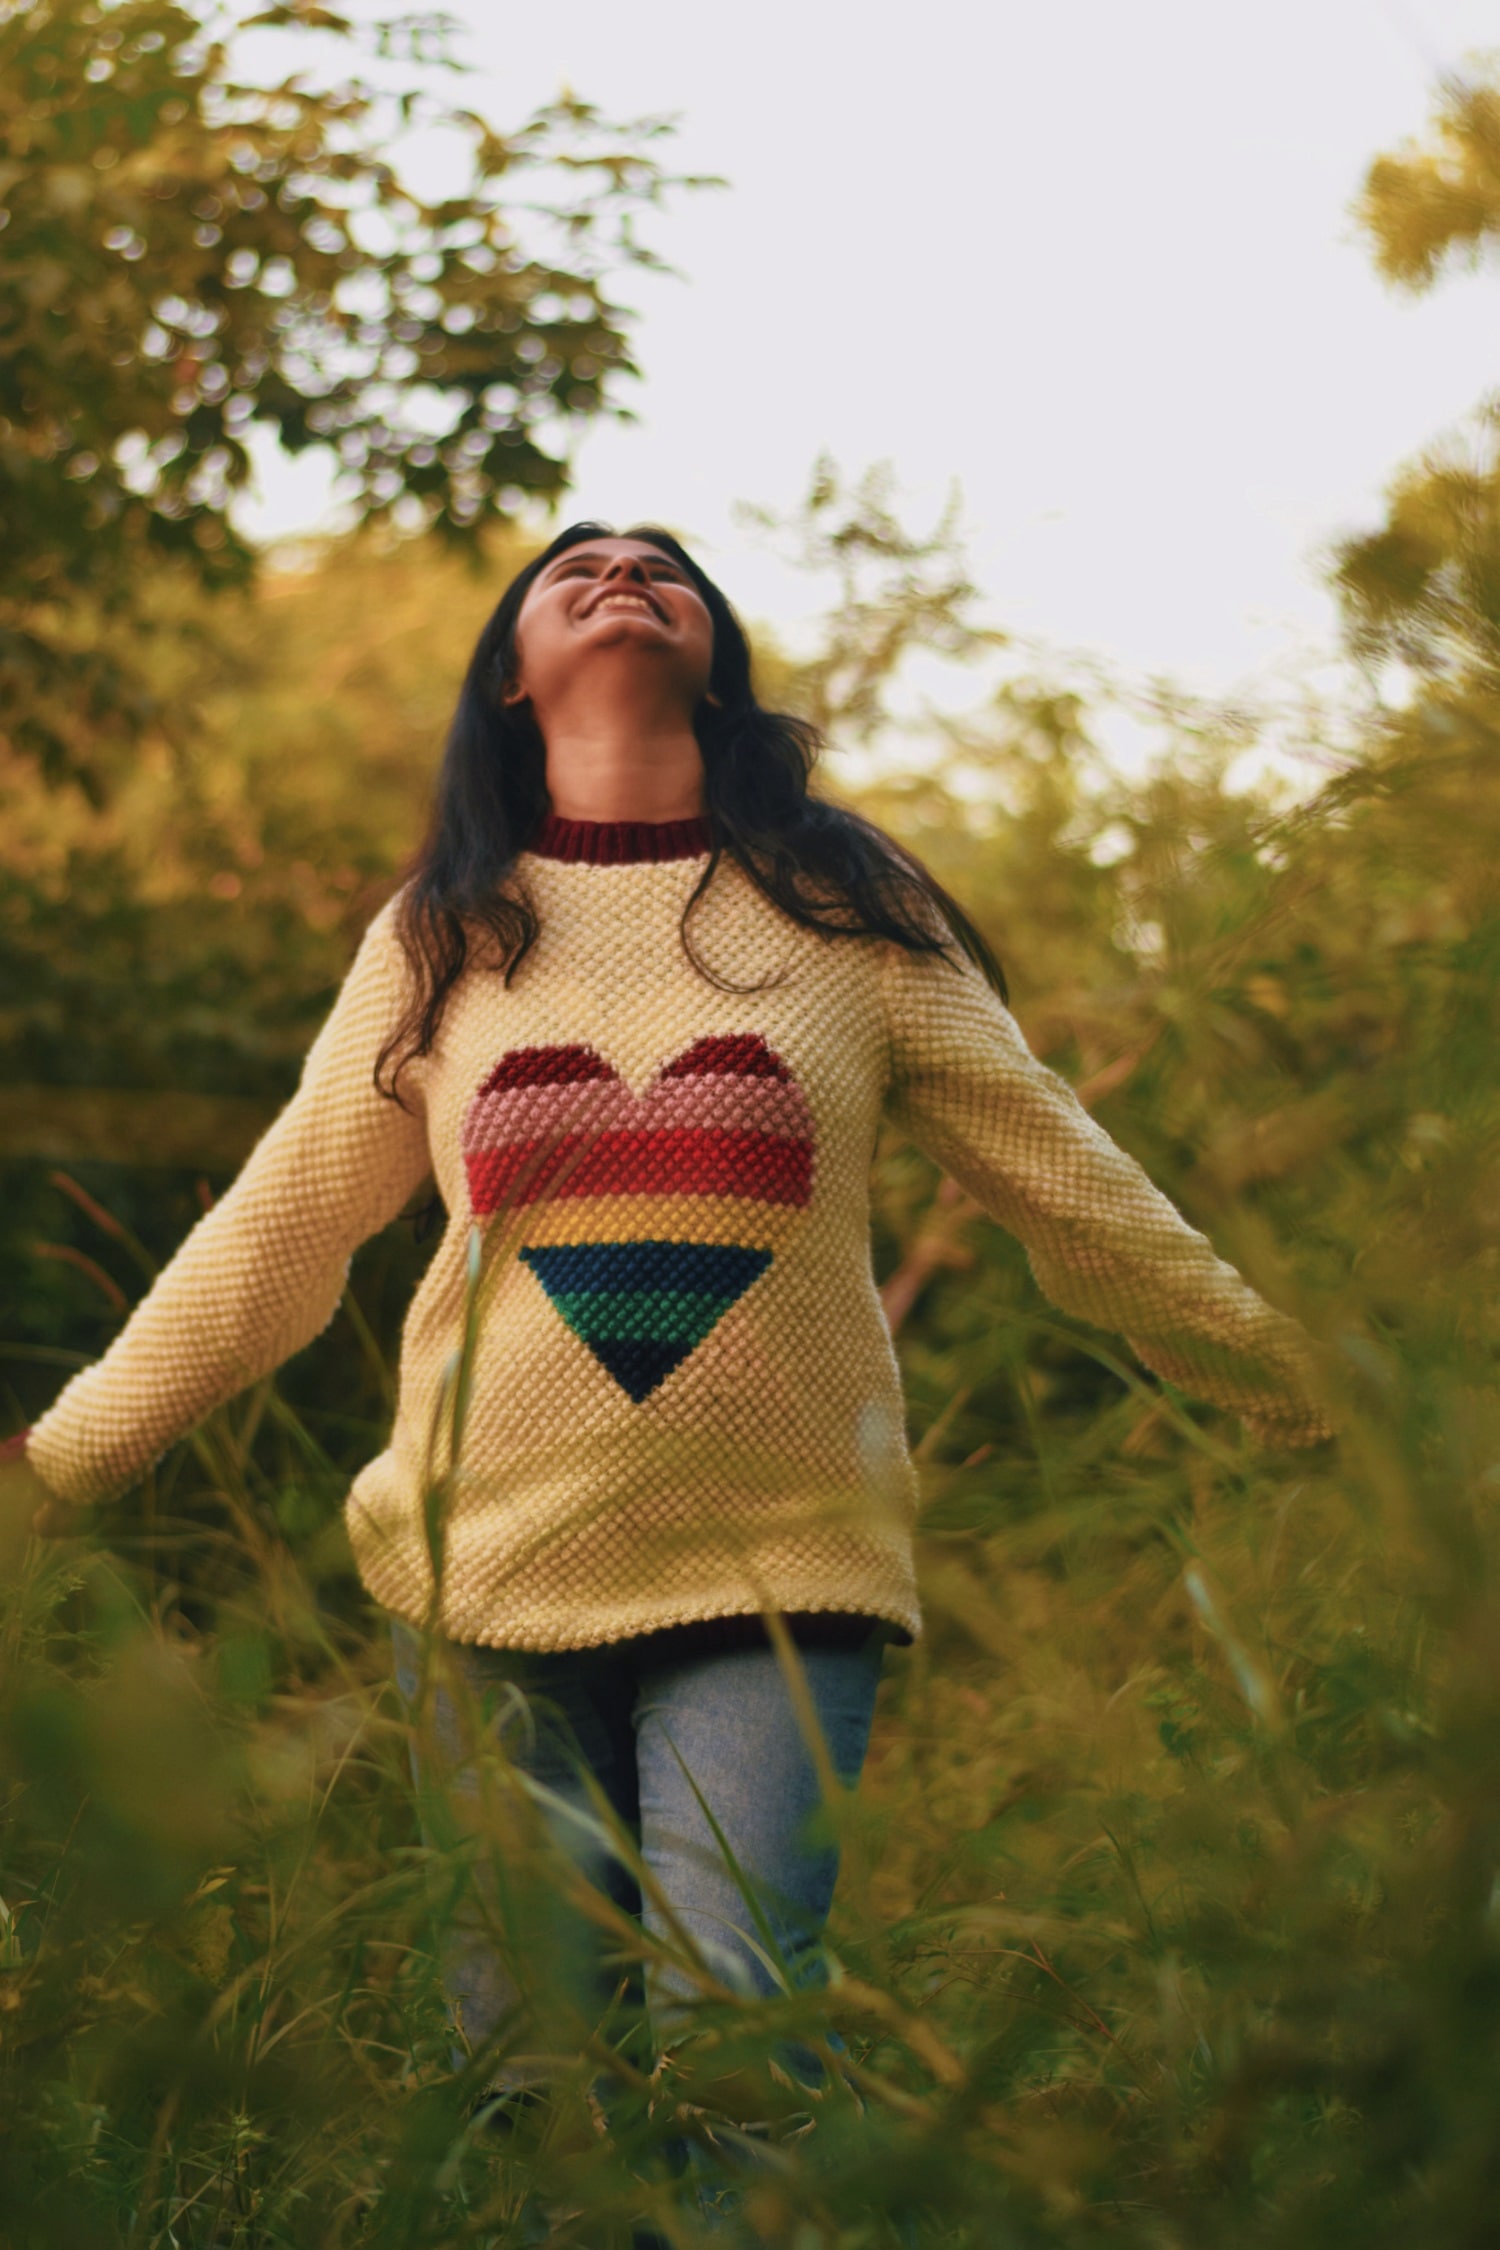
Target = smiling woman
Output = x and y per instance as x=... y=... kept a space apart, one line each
x=613 y=685
x=645 y=1519
x=618 y=727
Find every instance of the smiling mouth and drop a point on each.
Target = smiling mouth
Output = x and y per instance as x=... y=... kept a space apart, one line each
x=620 y=597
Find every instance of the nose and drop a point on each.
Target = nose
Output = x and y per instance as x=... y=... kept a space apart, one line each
x=626 y=566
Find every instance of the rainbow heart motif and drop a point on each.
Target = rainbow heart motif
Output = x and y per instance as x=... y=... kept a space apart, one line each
x=645 y=1217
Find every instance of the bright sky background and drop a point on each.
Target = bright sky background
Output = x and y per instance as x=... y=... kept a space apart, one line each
x=1093 y=261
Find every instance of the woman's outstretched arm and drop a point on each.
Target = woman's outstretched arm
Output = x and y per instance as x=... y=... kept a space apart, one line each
x=264 y=1270
x=1104 y=1243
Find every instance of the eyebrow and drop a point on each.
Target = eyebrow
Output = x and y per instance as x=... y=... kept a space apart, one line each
x=596 y=554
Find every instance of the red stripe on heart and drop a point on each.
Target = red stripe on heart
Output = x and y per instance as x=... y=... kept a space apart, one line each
x=545 y=1066
x=744 y=1055
x=759 y=1166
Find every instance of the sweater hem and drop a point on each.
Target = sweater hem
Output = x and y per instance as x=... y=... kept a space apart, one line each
x=908 y=1623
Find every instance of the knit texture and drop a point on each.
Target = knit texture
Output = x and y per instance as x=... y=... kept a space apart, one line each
x=613 y=843
x=646 y=1379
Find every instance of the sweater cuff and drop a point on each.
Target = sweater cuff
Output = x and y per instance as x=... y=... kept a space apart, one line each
x=1312 y=1426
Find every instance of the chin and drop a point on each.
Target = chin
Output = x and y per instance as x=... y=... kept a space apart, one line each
x=624 y=629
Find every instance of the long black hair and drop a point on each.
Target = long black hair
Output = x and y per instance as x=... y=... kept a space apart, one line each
x=827 y=869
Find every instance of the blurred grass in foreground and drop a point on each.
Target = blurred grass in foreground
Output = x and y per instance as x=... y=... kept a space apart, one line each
x=1168 y=1911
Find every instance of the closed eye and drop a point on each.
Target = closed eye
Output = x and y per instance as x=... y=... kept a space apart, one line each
x=589 y=566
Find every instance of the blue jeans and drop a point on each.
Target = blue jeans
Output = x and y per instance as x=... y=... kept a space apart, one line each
x=701 y=1761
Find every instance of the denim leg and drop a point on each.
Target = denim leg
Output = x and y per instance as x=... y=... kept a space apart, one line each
x=509 y=1945
x=727 y=1723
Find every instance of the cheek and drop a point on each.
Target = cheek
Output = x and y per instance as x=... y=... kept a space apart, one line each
x=536 y=631
x=704 y=643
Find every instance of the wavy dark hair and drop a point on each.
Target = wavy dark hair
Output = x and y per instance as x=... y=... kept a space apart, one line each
x=825 y=868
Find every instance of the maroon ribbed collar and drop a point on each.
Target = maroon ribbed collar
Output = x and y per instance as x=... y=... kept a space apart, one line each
x=616 y=843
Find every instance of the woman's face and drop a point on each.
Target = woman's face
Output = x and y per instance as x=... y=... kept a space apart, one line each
x=611 y=601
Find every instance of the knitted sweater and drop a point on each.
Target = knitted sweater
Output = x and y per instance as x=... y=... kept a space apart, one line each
x=646 y=1378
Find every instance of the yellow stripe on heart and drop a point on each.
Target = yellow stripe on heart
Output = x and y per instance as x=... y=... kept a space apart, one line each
x=663 y=1218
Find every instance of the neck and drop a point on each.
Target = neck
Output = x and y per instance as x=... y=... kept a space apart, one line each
x=624 y=758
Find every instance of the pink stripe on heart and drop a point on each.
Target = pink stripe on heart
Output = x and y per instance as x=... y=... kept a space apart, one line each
x=752 y=1105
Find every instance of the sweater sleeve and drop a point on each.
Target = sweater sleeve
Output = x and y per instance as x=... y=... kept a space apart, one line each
x=262 y=1272
x=1103 y=1242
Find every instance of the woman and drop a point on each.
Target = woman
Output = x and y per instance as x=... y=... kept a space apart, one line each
x=640 y=1008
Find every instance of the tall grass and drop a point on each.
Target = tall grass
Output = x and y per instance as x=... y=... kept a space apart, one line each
x=1169 y=1906
x=1168 y=1911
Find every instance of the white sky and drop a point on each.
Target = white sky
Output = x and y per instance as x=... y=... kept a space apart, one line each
x=1094 y=261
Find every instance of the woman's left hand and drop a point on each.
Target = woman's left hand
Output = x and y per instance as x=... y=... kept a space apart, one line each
x=1322 y=1453
x=23 y=1495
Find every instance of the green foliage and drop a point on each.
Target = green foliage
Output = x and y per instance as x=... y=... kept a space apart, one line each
x=1425 y=586
x=1166 y=1913
x=897 y=593
x=1425 y=206
x=188 y=258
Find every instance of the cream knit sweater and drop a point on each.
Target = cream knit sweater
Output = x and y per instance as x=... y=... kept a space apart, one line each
x=646 y=1378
